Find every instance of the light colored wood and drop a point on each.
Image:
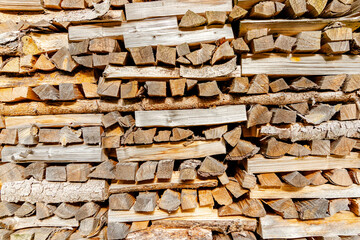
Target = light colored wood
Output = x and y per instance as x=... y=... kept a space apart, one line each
x=22 y=5
x=54 y=78
x=322 y=191
x=175 y=151
x=259 y=164
x=293 y=27
x=273 y=226
x=47 y=43
x=194 y=117
x=299 y=64
x=16 y=223
x=53 y=153
x=74 y=120
x=173 y=37
x=149 y=72
x=141 y=10
x=54 y=192
x=132 y=216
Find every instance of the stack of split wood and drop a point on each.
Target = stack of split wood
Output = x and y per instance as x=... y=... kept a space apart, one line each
x=169 y=120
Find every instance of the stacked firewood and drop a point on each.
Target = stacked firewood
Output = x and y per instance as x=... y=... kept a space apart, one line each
x=179 y=122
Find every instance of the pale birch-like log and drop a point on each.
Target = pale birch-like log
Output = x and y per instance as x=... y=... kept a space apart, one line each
x=21 y=5
x=128 y=72
x=16 y=223
x=54 y=192
x=191 y=117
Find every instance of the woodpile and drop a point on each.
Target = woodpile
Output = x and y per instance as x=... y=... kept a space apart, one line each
x=217 y=119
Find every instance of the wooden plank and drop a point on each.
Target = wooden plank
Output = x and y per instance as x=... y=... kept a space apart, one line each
x=173 y=37
x=274 y=226
x=16 y=223
x=322 y=191
x=132 y=216
x=299 y=64
x=54 y=78
x=53 y=153
x=90 y=31
x=141 y=10
x=175 y=182
x=164 y=151
x=260 y=164
x=73 y=120
x=54 y=192
x=213 y=222
x=149 y=72
x=292 y=27
x=191 y=117
x=20 y=5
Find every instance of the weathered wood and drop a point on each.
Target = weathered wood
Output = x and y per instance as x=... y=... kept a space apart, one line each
x=295 y=179
x=303 y=83
x=145 y=72
x=211 y=167
x=215 y=132
x=144 y=136
x=104 y=170
x=43 y=191
x=338 y=177
x=26 y=210
x=278 y=85
x=205 y=198
x=223 y=52
x=100 y=60
x=55 y=174
x=283 y=116
x=245 y=179
x=321 y=113
x=315 y=7
x=284 y=207
x=312 y=209
x=284 y=43
x=232 y=137
x=165 y=169
x=76 y=153
x=170 y=201
x=336 y=9
x=35 y=170
x=252 y=207
x=328 y=191
x=342 y=146
x=215 y=17
x=69 y=135
x=262 y=44
x=240 y=45
x=239 y=85
x=43 y=63
x=63 y=60
x=47 y=92
x=165 y=55
x=9 y=136
x=348 y=112
x=191 y=20
x=163 y=136
x=221 y=196
x=69 y=91
x=177 y=87
x=11 y=172
x=28 y=136
x=230 y=210
x=174 y=183
x=156 y=88
x=302 y=108
x=44 y=210
x=275 y=149
x=118 y=58
x=354 y=174
x=103 y=45
x=188 y=199
x=66 y=210
x=298 y=150
x=188 y=169
x=146 y=171
x=258 y=115
x=263 y=10
x=243 y=149
x=32 y=5
x=339 y=224
x=296 y=8
x=208 y=89
x=7 y=209
x=143 y=55
x=337 y=205
x=269 y=180
x=126 y=171
x=31 y=222
x=88 y=209
x=72 y=4
x=234 y=188
x=146 y=202
x=332 y=48
x=129 y=90
x=237 y=13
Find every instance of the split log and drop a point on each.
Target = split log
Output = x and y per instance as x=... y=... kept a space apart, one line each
x=295 y=179
x=208 y=89
x=337 y=205
x=28 y=136
x=230 y=210
x=269 y=180
x=44 y=210
x=170 y=201
x=216 y=132
x=104 y=170
x=239 y=85
x=355 y=206
x=315 y=7
x=69 y=91
x=35 y=170
x=355 y=175
x=256 y=33
x=191 y=20
x=284 y=207
x=146 y=202
x=278 y=85
x=100 y=60
x=103 y=45
x=43 y=191
x=243 y=149
x=9 y=136
x=165 y=55
x=182 y=49
x=336 y=9
x=110 y=118
x=211 y=167
x=284 y=43
x=69 y=135
x=145 y=72
x=91 y=135
x=263 y=10
x=338 y=177
x=312 y=209
x=55 y=174
x=11 y=172
x=62 y=60
x=72 y=4
x=258 y=115
x=308 y=41
x=137 y=226
x=163 y=136
x=17 y=94
x=188 y=169
x=66 y=210
x=321 y=113
x=31 y=222
x=283 y=116
x=263 y=44
x=78 y=48
x=252 y=207
x=342 y=146
x=89 y=209
x=232 y=137
x=7 y=209
x=179 y=134
x=142 y=55
x=215 y=17
x=303 y=83
x=332 y=48
x=47 y=92
x=144 y=136
x=298 y=150
x=165 y=169
x=43 y=63
x=32 y=5
x=188 y=199
x=126 y=171
x=240 y=45
x=118 y=58
x=339 y=224
x=223 y=52
x=26 y=210
x=177 y=87
x=258 y=163
x=221 y=196
x=234 y=188
x=276 y=149
x=205 y=198
x=146 y=171
x=331 y=82
x=348 y=112
x=302 y=108
x=245 y=179
x=296 y=8
x=156 y=88
x=259 y=84
x=90 y=90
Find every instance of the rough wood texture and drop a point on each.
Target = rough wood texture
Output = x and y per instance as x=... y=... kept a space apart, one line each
x=19 y=5
x=284 y=207
x=312 y=209
x=170 y=201
x=221 y=196
x=243 y=149
x=30 y=222
x=338 y=177
x=43 y=191
x=126 y=171
x=295 y=179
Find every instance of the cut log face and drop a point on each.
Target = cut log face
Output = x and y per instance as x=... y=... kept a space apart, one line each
x=26 y=210
x=321 y=113
x=234 y=188
x=142 y=55
x=276 y=149
x=312 y=209
x=100 y=61
x=66 y=210
x=315 y=178
x=205 y=198
x=165 y=55
x=222 y=196
x=28 y=136
x=278 y=85
x=191 y=20
x=86 y=61
x=298 y=150
x=237 y=13
x=156 y=88
x=177 y=87
x=43 y=63
x=283 y=116
x=44 y=210
x=302 y=84
x=308 y=41
x=63 y=60
x=252 y=207
x=338 y=177
x=163 y=136
x=355 y=175
x=215 y=17
x=89 y=209
x=179 y=134
x=223 y=52
x=331 y=82
x=263 y=10
x=259 y=84
x=239 y=85
x=110 y=119
x=230 y=210
x=165 y=169
x=7 y=209
x=77 y=172
x=295 y=179
x=296 y=8
x=72 y=4
x=188 y=199
x=215 y=132
x=240 y=46
x=284 y=43
x=121 y=201
x=351 y=83
x=126 y=171
x=47 y=92
x=263 y=44
x=245 y=179
x=9 y=136
x=103 y=45
x=10 y=172
x=146 y=202
x=78 y=48
x=284 y=207
x=320 y=147
x=118 y=58
x=187 y=169
x=232 y=137
x=170 y=201
x=337 y=205
x=208 y=89
x=211 y=167
x=332 y=48
x=69 y=91
x=91 y=135
x=302 y=108
x=117 y=230
x=56 y=174
x=182 y=49
x=35 y=170
x=348 y=112
x=146 y=171
x=258 y=115
x=355 y=206
x=104 y=170
x=269 y=180
x=144 y=136
x=243 y=149
x=315 y=7
x=68 y=136
x=342 y=146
